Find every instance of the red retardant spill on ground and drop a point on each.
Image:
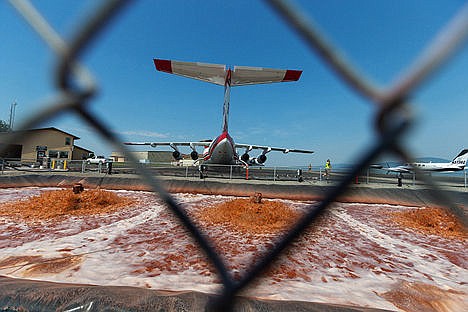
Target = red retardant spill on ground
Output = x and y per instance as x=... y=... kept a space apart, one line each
x=382 y=256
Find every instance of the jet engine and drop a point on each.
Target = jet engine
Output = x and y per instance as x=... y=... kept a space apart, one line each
x=258 y=160
x=261 y=158
x=176 y=155
x=245 y=157
x=194 y=155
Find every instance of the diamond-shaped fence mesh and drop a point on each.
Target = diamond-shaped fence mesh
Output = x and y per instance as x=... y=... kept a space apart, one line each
x=75 y=88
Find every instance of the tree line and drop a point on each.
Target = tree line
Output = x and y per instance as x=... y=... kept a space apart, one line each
x=4 y=126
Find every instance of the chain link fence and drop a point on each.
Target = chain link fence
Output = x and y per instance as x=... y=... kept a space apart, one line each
x=75 y=90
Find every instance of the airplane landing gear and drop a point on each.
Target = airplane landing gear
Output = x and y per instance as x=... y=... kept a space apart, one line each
x=202 y=171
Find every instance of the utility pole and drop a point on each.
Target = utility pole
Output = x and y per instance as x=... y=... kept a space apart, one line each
x=12 y=115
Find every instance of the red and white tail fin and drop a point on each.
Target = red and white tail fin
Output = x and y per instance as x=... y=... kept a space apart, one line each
x=220 y=75
x=216 y=73
x=213 y=73
x=243 y=75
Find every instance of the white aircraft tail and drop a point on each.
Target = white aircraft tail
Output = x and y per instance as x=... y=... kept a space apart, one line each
x=461 y=158
x=221 y=75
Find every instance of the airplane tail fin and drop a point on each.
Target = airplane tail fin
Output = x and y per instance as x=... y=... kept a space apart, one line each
x=214 y=73
x=217 y=73
x=461 y=158
x=227 y=77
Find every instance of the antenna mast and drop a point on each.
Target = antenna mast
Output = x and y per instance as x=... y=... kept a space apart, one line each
x=12 y=115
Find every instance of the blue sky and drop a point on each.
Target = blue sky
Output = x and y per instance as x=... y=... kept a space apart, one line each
x=318 y=112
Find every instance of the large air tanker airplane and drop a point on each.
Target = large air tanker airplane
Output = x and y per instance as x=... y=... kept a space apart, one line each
x=223 y=150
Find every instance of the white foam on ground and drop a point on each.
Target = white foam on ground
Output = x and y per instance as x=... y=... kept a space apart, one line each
x=440 y=269
x=349 y=260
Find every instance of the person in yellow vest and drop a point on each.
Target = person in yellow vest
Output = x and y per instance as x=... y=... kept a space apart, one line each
x=327 y=169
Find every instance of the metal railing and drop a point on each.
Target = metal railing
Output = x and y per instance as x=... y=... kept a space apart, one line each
x=274 y=174
x=75 y=90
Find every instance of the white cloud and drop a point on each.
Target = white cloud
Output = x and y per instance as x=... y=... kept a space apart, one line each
x=143 y=134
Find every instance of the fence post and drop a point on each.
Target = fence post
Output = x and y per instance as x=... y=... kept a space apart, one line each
x=368 y=172
x=230 y=172
x=465 y=178
x=186 y=172
x=320 y=174
x=414 y=178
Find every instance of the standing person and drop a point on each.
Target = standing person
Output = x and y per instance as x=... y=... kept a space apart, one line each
x=109 y=167
x=299 y=175
x=327 y=169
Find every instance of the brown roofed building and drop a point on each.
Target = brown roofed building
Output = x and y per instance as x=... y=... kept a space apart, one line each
x=35 y=144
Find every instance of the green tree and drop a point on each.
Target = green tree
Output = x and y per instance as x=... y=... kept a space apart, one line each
x=4 y=126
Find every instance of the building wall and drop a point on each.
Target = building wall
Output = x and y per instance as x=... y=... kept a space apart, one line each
x=141 y=156
x=146 y=156
x=53 y=142
x=160 y=156
x=117 y=157
x=59 y=145
x=80 y=153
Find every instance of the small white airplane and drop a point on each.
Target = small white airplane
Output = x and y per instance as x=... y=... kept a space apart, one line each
x=457 y=164
x=222 y=150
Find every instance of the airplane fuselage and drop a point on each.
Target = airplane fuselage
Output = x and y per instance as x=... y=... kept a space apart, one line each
x=432 y=167
x=438 y=166
x=457 y=164
x=221 y=151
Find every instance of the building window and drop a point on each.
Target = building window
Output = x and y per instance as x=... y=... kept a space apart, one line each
x=63 y=155
x=67 y=141
x=53 y=154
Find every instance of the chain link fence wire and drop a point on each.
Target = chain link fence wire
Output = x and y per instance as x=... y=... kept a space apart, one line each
x=76 y=87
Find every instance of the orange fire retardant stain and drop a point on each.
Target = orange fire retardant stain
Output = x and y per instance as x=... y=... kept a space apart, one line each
x=433 y=221
x=246 y=216
x=14 y=261
x=55 y=265
x=57 y=203
x=238 y=215
x=39 y=265
x=422 y=297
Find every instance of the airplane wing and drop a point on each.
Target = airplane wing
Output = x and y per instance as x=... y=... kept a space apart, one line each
x=267 y=149
x=216 y=73
x=402 y=169
x=155 y=144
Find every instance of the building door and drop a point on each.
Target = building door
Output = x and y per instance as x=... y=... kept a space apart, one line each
x=11 y=151
x=40 y=155
x=40 y=152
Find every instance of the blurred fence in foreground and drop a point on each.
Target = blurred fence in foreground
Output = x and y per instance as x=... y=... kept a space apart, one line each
x=76 y=89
